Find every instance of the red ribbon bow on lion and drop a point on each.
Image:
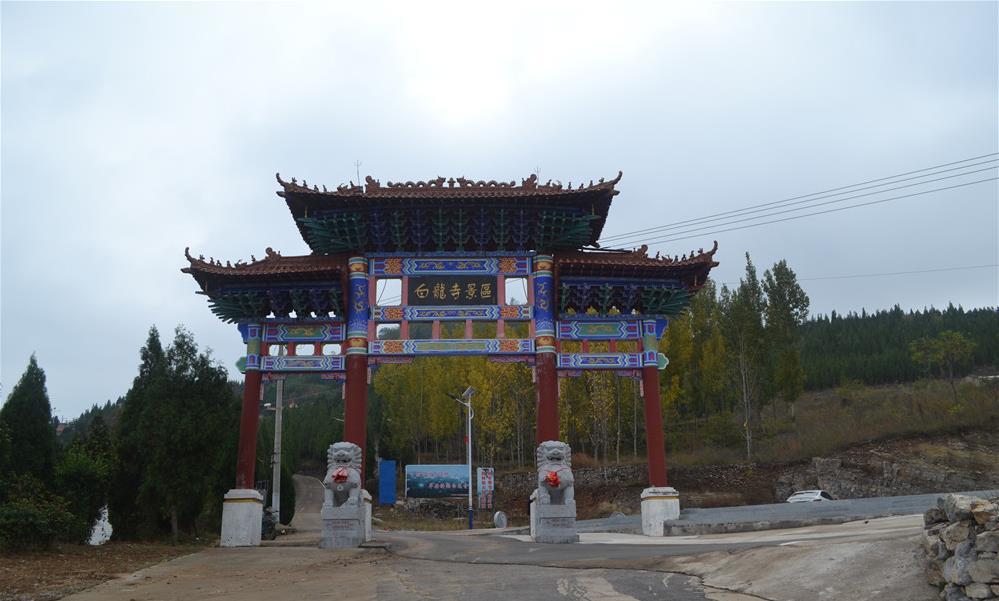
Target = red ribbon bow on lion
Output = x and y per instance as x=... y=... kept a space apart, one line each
x=552 y=479
x=340 y=475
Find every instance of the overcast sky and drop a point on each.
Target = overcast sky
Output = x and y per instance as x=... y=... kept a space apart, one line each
x=133 y=130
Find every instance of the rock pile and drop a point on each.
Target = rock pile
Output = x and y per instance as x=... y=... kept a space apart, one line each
x=961 y=541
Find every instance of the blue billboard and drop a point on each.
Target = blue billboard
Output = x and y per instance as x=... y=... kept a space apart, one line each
x=436 y=481
x=386 y=482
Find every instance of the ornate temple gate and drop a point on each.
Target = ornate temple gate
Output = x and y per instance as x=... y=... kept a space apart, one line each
x=451 y=252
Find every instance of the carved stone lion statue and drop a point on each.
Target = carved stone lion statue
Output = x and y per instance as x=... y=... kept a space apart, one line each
x=555 y=481
x=343 y=474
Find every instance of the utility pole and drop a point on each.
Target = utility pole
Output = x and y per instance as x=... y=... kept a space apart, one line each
x=276 y=459
x=466 y=400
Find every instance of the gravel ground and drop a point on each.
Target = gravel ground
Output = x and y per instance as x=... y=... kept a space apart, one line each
x=66 y=569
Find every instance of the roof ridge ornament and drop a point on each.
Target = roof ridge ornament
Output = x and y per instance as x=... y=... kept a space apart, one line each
x=433 y=183
x=374 y=186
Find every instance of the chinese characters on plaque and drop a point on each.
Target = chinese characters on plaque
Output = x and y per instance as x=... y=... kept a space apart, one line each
x=447 y=290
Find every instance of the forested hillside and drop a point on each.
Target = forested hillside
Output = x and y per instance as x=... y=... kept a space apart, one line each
x=874 y=347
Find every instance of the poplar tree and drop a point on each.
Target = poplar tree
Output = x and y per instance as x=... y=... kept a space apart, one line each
x=743 y=323
x=786 y=311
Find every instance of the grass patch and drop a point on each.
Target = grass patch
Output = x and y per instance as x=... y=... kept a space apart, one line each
x=858 y=414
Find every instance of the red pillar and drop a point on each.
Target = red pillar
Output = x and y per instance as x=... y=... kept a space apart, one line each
x=247 y=458
x=547 y=384
x=355 y=390
x=655 y=442
x=355 y=410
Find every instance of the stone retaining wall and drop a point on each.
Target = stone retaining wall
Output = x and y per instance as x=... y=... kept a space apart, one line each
x=961 y=542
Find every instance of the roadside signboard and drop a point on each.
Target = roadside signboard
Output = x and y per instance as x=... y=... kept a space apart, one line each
x=486 y=486
x=386 y=482
x=436 y=481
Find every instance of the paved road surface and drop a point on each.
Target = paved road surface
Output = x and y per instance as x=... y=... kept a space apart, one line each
x=780 y=515
x=308 y=503
x=856 y=561
x=302 y=573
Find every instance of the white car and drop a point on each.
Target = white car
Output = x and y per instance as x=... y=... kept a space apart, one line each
x=808 y=496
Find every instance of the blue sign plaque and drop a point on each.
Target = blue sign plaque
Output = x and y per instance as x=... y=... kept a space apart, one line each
x=436 y=481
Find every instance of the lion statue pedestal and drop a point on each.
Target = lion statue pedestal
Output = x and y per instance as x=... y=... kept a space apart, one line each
x=346 y=512
x=553 y=506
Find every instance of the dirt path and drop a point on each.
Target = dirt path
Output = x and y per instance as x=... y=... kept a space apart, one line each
x=67 y=569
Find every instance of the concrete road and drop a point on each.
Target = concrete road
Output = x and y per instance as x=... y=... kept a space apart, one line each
x=779 y=515
x=308 y=503
x=308 y=573
x=873 y=559
x=858 y=561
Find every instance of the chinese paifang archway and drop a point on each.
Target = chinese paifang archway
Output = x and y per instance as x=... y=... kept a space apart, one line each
x=453 y=245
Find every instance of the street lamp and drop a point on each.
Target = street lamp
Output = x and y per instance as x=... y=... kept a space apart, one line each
x=466 y=400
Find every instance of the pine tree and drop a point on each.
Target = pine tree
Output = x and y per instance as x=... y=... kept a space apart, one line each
x=183 y=420
x=27 y=416
x=132 y=445
x=6 y=461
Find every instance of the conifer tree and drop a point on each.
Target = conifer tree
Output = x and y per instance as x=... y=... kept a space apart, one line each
x=27 y=416
x=131 y=443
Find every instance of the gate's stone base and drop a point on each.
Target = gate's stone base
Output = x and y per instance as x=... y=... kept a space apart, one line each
x=553 y=523
x=242 y=514
x=346 y=526
x=659 y=504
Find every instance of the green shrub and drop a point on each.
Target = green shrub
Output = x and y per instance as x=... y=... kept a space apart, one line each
x=721 y=430
x=33 y=518
x=83 y=480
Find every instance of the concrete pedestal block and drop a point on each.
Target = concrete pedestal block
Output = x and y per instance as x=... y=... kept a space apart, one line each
x=554 y=524
x=346 y=526
x=659 y=504
x=242 y=514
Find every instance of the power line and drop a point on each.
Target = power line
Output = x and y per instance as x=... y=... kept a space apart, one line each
x=811 y=201
x=818 y=204
x=788 y=200
x=890 y=273
x=670 y=238
x=878 y=275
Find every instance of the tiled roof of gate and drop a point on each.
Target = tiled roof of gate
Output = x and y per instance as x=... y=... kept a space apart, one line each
x=635 y=263
x=454 y=193
x=272 y=266
x=439 y=187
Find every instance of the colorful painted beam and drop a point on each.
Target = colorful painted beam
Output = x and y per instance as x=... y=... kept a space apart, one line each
x=307 y=363
x=599 y=330
x=388 y=266
x=488 y=346
x=304 y=332
x=599 y=360
x=485 y=312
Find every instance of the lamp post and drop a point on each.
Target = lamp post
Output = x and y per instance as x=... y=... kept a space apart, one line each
x=466 y=400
